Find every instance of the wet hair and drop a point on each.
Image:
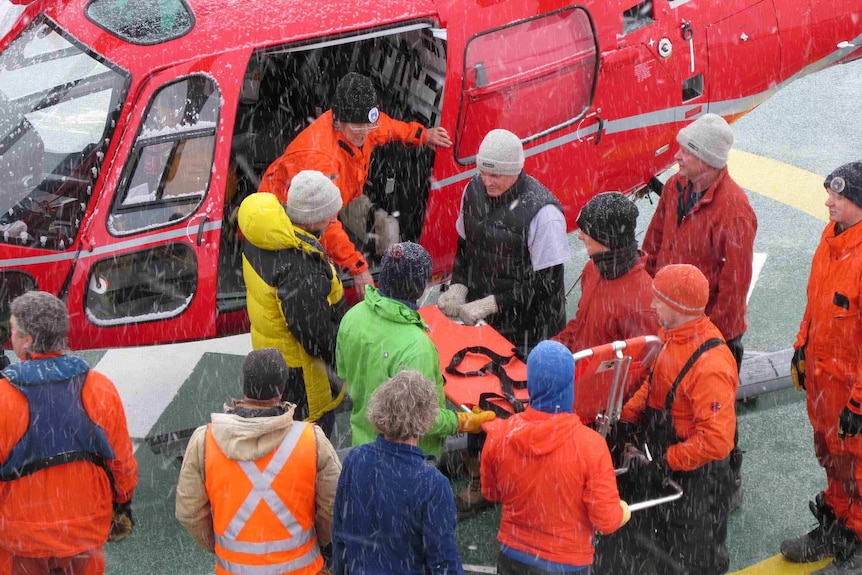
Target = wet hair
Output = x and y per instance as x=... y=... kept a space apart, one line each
x=44 y=318
x=404 y=406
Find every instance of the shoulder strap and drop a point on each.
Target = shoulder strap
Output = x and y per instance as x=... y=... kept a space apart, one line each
x=704 y=347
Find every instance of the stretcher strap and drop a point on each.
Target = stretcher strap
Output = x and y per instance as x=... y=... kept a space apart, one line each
x=494 y=367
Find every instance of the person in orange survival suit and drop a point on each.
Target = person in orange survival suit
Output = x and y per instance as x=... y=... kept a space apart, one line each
x=256 y=487
x=67 y=472
x=687 y=410
x=827 y=363
x=339 y=144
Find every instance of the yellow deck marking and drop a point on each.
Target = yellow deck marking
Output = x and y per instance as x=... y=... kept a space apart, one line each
x=778 y=565
x=781 y=182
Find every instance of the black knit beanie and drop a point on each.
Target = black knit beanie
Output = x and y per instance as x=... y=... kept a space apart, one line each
x=846 y=181
x=610 y=218
x=264 y=374
x=355 y=100
x=404 y=271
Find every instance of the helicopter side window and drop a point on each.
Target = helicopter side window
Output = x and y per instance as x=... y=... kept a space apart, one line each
x=638 y=16
x=169 y=169
x=148 y=285
x=552 y=59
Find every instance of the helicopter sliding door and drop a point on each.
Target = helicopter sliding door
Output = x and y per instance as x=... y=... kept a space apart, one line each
x=149 y=275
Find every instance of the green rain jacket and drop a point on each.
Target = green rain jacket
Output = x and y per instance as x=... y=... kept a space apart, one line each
x=378 y=338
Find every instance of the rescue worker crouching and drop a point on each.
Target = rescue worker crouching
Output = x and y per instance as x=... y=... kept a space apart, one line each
x=827 y=364
x=64 y=442
x=339 y=144
x=295 y=297
x=256 y=487
x=687 y=410
x=552 y=473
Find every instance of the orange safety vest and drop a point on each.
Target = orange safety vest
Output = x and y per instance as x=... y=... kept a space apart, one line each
x=263 y=511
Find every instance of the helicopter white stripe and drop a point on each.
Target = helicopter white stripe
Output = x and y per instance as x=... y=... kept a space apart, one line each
x=111 y=248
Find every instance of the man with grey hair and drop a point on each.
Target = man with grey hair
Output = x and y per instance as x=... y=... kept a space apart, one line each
x=64 y=442
x=394 y=511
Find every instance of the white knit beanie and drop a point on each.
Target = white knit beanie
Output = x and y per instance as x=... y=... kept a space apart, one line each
x=709 y=138
x=311 y=198
x=501 y=153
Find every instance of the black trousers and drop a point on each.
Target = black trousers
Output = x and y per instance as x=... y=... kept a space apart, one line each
x=687 y=536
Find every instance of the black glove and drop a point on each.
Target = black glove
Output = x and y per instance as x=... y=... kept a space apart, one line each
x=121 y=522
x=849 y=423
x=797 y=368
x=621 y=434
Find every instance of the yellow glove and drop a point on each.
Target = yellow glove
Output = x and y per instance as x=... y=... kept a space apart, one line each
x=472 y=422
x=797 y=368
x=627 y=514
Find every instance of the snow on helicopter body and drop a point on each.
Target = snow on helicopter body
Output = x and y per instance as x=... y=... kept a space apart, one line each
x=130 y=132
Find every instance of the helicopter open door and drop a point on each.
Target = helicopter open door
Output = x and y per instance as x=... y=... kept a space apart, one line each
x=148 y=270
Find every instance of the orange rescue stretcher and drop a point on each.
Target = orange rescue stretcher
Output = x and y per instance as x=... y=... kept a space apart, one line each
x=482 y=368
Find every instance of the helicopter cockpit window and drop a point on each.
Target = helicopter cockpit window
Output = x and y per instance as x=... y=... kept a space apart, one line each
x=552 y=59
x=58 y=109
x=168 y=171
x=142 y=21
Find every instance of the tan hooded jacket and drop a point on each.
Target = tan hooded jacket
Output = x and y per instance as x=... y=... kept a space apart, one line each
x=249 y=439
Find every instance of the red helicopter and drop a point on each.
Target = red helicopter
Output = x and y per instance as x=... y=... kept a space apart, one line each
x=131 y=131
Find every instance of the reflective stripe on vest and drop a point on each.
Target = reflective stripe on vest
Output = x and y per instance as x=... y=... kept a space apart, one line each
x=262 y=491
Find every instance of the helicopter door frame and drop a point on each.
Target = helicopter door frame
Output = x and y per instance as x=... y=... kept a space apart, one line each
x=150 y=273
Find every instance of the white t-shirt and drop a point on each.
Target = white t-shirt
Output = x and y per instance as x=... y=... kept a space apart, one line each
x=546 y=238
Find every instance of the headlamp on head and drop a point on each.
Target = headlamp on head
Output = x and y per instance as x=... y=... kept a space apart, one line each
x=837 y=184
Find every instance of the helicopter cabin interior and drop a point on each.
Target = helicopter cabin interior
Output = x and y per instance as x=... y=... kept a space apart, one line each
x=285 y=89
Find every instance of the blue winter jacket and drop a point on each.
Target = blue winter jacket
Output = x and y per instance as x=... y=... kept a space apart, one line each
x=394 y=514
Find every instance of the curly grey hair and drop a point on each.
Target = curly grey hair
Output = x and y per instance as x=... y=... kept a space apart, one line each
x=44 y=318
x=404 y=406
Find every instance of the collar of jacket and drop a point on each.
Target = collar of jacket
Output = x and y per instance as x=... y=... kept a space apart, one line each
x=392 y=309
x=685 y=332
x=848 y=239
x=709 y=194
x=401 y=449
x=265 y=225
x=30 y=355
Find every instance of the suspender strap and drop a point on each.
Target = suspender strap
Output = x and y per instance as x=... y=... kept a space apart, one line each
x=704 y=347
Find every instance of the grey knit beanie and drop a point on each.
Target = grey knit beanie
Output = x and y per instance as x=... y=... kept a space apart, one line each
x=355 y=100
x=404 y=271
x=610 y=219
x=264 y=374
x=312 y=198
x=501 y=153
x=709 y=138
x=846 y=181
